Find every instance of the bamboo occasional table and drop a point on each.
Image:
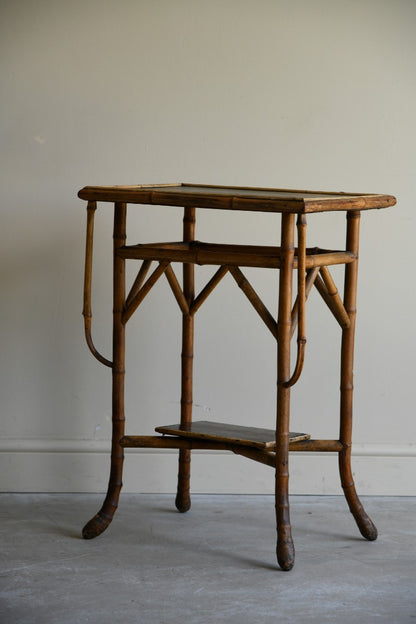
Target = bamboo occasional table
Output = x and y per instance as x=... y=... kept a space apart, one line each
x=311 y=267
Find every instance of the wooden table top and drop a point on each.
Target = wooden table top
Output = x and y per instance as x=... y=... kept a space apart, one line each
x=237 y=198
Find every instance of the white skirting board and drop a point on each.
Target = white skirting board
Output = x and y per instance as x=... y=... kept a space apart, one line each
x=83 y=466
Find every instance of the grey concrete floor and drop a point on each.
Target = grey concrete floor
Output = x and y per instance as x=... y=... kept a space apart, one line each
x=214 y=564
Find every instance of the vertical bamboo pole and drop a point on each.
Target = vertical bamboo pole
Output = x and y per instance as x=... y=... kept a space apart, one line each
x=364 y=523
x=301 y=300
x=103 y=518
x=285 y=549
x=86 y=310
x=183 y=499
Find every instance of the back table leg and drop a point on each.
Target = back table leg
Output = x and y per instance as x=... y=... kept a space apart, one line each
x=102 y=519
x=364 y=522
x=183 y=499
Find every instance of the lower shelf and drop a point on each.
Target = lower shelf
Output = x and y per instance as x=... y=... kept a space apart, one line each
x=235 y=434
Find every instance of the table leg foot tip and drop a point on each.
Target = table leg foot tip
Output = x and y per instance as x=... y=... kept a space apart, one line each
x=285 y=552
x=367 y=529
x=183 y=503
x=95 y=526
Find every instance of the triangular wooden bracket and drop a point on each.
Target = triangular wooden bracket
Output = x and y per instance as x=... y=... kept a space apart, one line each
x=254 y=299
x=194 y=305
x=329 y=293
x=138 y=291
x=176 y=289
x=207 y=290
x=138 y=282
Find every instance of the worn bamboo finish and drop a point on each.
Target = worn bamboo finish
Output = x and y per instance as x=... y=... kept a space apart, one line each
x=301 y=301
x=87 y=310
x=261 y=455
x=311 y=266
x=237 y=198
x=329 y=293
x=235 y=435
x=177 y=442
x=130 y=308
x=103 y=518
x=285 y=549
x=177 y=290
x=183 y=499
x=364 y=523
x=138 y=282
x=229 y=255
x=309 y=282
x=338 y=306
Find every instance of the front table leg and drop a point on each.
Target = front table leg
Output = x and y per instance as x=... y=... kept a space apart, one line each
x=285 y=550
x=102 y=519
x=364 y=522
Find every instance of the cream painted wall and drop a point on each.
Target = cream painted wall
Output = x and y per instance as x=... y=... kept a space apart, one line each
x=293 y=94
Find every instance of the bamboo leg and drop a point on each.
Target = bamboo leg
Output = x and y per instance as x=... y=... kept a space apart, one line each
x=183 y=500
x=285 y=550
x=365 y=524
x=102 y=519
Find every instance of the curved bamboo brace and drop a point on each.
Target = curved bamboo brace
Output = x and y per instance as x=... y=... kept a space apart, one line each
x=301 y=226
x=311 y=276
x=86 y=311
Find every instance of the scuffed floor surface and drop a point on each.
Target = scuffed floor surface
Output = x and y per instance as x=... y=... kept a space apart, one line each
x=214 y=564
